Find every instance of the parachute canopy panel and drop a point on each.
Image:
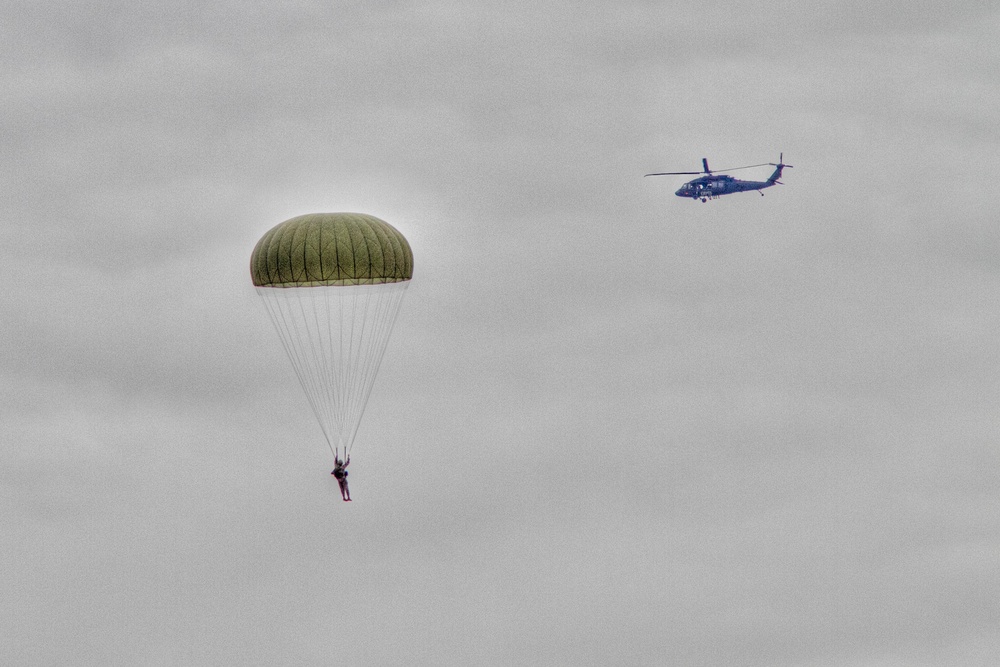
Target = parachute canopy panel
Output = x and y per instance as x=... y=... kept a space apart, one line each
x=331 y=249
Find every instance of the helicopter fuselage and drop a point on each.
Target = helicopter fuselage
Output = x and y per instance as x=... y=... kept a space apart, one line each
x=710 y=187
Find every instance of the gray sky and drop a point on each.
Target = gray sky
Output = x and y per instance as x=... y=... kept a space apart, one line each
x=618 y=427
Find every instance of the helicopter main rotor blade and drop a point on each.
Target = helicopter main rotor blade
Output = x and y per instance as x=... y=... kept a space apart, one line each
x=714 y=171
x=751 y=166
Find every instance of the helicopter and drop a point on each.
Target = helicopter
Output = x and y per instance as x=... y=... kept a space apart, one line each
x=712 y=186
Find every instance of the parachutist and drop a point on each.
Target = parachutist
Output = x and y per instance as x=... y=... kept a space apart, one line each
x=340 y=472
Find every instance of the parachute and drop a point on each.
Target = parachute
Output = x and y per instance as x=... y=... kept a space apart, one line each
x=332 y=284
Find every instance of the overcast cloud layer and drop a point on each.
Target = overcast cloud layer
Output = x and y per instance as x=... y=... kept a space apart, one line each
x=618 y=427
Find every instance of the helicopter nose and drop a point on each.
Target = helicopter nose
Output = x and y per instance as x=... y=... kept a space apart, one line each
x=680 y=192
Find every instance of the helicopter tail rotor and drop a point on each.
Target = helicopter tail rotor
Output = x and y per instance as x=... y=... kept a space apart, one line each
x=780 y=162
x=779 y=165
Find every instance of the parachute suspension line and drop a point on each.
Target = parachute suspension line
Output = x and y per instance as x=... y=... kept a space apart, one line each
x=339 y=393
x=358 y=357
x=360 y=341
x=286 y=328
x=290 y=330
x=353 y=358
x=318 y=349
x=334 y=372
x=324 y=365
x=336 y=337
x=387 y=310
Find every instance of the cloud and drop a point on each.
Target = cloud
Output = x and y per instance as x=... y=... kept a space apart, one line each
x=611 y=425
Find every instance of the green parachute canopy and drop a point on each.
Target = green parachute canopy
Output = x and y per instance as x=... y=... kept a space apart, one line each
x=331 y=249
x=343 y=277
